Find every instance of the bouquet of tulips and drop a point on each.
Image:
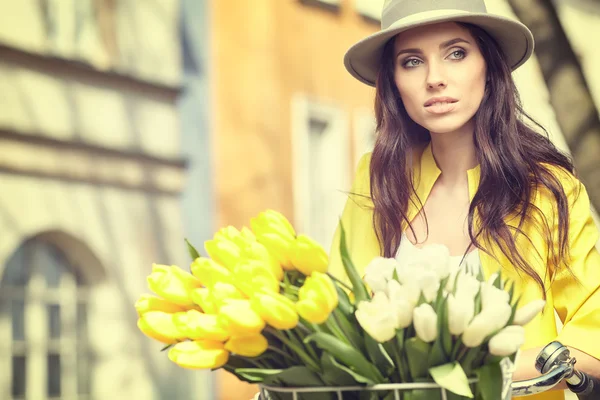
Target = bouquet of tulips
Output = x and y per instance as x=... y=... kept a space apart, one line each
x=263 y=307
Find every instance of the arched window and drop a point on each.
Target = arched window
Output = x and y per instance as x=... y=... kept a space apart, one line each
x=44 y=348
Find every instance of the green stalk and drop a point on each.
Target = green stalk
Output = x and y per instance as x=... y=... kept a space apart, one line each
x=335 y=329
x=339 y=281
x=281 y=353
x=297 y=349
x=294 y=335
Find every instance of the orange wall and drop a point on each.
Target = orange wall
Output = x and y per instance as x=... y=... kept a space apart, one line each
x=263 y=52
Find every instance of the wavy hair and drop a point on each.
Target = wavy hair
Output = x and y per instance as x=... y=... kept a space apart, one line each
x=515 y=160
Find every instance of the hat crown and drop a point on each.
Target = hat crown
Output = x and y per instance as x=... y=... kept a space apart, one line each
x=394 y=10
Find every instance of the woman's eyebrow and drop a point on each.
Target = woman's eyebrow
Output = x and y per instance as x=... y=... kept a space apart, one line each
x=442 y=46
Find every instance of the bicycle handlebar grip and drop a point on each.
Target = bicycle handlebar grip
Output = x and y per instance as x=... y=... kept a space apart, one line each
x=588 y=389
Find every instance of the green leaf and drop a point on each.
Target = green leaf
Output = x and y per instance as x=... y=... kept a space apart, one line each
x=356 y=378
x=444 y=329
x=490 y=382
x=436 y=355
x=192 y=250
x=379 y=356
x=334 y=375
x=350 y=331
x=256 y=374
x=344 y=304
x=298 y=376
x=417 y=353
x=467 y=361
x=358 y=286
x=452 y=377
x=346 y=354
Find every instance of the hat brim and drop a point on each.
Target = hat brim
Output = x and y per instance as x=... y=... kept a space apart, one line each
x=516 y=40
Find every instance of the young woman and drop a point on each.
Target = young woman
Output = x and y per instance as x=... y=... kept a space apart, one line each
x=454 y=163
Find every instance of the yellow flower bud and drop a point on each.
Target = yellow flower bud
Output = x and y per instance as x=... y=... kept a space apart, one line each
x=238 y=317
x=223 y=251
x=221 y=293
x=173 y=284
x=199 y=354
x=258 y=252
x=308 y=256
x=148 y=302
x=203 y=298
x=196 y=325
x=247 y=346
x=274 y=231
x=160 y=326
x=276 y=309
x=240 y=238
x=317 y=298
x=210 y=272
x=251 y=276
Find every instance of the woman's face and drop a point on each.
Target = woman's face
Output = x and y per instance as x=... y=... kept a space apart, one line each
x=441 y=75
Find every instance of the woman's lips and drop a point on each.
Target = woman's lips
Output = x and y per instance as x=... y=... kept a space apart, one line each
x=441 y=107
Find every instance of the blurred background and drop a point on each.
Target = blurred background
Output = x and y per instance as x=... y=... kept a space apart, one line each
x=127 y=125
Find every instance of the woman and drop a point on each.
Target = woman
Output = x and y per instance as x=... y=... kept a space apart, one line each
x=455 y=164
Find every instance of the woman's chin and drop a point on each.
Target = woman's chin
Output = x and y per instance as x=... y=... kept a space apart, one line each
x=445 y=125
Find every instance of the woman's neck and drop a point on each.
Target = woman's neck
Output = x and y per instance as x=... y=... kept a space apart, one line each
x=454 y=154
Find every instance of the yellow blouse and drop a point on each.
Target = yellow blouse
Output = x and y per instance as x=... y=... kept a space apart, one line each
x=576 y=301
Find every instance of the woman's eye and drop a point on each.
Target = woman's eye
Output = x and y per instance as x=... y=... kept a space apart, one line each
x=411 y=63
x=458 y=54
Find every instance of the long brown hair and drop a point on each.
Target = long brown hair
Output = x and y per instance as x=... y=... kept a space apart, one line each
x=514 y=160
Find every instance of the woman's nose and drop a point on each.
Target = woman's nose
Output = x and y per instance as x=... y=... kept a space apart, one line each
x=435 y=77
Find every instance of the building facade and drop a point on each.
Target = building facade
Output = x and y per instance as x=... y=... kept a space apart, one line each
x=91 y=174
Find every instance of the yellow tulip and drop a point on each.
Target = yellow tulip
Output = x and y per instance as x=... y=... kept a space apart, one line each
x=238 y=317
x=223 y=251
x=308 y=256
x=210 y=272
x=258 y=252
x=173 y=284
x=247 y=346
x=276 y=309
x=148 y=302
x=251 y=276
x=203 y=298
x=240 y=238
x=221 y=293
x=317 y=298
x=160 y=326
x=199 y=354
x=276 y=233
x=196 y=325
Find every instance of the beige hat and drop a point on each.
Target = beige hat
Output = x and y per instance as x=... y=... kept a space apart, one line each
x=362 y=60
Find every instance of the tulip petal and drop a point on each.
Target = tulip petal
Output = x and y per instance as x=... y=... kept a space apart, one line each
x=247 y=346
x=200 y=354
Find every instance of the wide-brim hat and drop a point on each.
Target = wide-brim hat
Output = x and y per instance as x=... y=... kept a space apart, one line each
x=362 y=60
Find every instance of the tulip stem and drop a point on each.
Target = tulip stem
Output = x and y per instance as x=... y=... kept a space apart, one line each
x=281 y=353
x=297 y=349
x=339 y=281
x=300 y=341
x=333 y=326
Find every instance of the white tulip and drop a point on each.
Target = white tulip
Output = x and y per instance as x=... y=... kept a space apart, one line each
x=528 y=312
x=461 y=309
x=434 y=258
x=425 y=322
x=379 y=271
x=429 y=283
x=466 y=285
x=491 y=296
x=377 y=317
x=486 y=323
x=401 y=300
x=507 y=341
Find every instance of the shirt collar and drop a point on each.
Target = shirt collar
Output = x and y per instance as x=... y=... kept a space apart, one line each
x=427 y=172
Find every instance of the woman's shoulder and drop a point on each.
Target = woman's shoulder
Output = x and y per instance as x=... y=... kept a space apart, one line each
x=568 y=182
